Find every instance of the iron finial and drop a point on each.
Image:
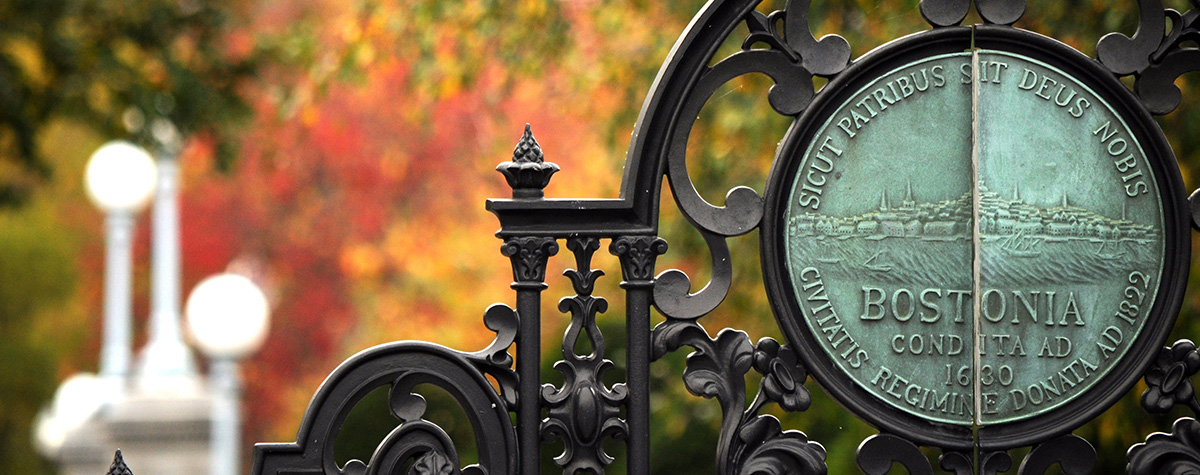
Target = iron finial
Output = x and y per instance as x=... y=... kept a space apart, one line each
x=527 y=173
x=118 y=466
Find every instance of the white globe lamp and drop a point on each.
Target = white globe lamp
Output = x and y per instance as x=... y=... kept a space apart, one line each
x=228 y=316
x=120 y=176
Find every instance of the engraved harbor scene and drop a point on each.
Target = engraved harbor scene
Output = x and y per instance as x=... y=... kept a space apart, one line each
x=980 y=251
x=1023 y=244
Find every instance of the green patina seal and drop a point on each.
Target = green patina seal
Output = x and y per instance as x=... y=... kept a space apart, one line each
x=974 y=238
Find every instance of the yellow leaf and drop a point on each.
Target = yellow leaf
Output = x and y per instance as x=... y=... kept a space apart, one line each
x=28 y=58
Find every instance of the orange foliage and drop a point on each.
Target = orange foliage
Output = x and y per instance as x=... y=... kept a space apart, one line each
x=361 y=192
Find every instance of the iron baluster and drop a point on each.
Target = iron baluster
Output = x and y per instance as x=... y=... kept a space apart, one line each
x=638 y=255
x=528 y=174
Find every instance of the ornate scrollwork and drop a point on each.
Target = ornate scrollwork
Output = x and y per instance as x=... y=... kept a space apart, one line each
x=1072 y=453
x=1176 y=452
x=959 y=463
x=1156 y=86
x=529 y=256
x=825 y=57
x=962 y=463
x=793 y=55
x=995 y=462
x=877 y=453
x=404 y=365
x=414 y=439
x=584 y=411
x=787 y=62
x=495 y=361
x=671 y=293
x=1156 y=56
x=749 y=442
x=1125 y=55
x=1168 y=385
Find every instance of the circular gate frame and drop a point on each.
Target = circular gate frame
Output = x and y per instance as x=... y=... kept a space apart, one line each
x=1120 y=377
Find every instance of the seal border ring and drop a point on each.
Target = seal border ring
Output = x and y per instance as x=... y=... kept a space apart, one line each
x=1120 y=377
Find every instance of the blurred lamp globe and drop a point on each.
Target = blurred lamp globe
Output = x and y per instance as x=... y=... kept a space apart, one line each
x=227 y=315
x=120 y=176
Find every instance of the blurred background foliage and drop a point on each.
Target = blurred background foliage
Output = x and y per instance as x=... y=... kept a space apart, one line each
x=340 y=151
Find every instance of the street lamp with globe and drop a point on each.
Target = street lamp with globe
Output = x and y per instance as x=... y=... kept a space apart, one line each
x=120 y=180
x=227 y=316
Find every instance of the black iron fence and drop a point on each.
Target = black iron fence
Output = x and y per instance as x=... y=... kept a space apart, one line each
x=837 y=336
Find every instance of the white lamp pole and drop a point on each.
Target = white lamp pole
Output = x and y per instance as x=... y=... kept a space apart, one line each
x=228 y=317
x=166 y=360
x=120 y=179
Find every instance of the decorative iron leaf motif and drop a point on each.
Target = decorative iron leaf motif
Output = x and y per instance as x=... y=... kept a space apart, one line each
x=1168 y=379
x=585 y=412
x=793 y=55
x=765 y=448
x=1175 y=453
x=432 y=463
x=529 y=256
x=638 y=255
x=713 y=372
x=749 y=442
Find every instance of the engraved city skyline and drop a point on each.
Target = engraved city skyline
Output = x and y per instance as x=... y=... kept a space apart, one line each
x=1022 y=243
x=950 y=220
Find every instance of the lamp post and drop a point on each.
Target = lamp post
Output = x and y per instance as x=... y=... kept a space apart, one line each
x=165 y=363
x=120 y=179
x=227 y=315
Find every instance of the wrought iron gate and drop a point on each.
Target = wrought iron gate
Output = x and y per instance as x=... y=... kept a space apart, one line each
x=585 y=412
